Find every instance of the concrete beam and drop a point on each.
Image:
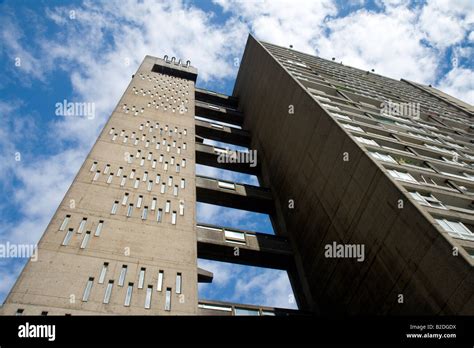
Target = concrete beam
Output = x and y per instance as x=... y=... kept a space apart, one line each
x=204 y=276
x=215 y=98
x=255 y=249
x=219 y=113
x=234 y=195
x=224 y=134
x=208 y=155
x=221 y=308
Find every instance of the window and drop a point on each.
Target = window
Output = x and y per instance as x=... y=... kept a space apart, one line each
x=183 y=163
x=226 y=185
x=469 y=176
x=142 y=162
x=153 y=164
x=456 y=229
x=167 y=206
x=119 y=171
x=175 y=190
x=159 y=215
x=416 y=129
x=319 y=97
x=441 y=149
x=87 y=290
x=465 y=176
x=246 y=311
x=149 y=291
x=419 y=136
x=157 y=180
x=382 y=157
x=179 y=279
x=353 y=128
x=159 y=285
x=168 y=299
x=344 y=117
x=125 y=198
x=427 y=199
x=65 y=222
x=144 y=213
x=99 y=228
x=96 y=176
x=109 y=179
x=85 y=240
x=139 y=201
x=44 y=313
x=141 y=278
x=68 y=236
x=19 y=311
x=107 y=168
x=82 y=225
x=103 y=272
x=128 y=295
x=130 y=210
x=453 y=161
x=402 y=176
x=123 y=181
x=177 y=168
x=173 y=218
x=297 y=63
x=181 y=208
x=235 y=237
x=137 y=183
x=132 y=174
x=153 y=204
x=183 y=183
x=150 y=185
x=366 y=141
x=457 y=146
x=93 y=167
x=123 y=274
x=114 y=208
x=165 y=166
x=145 y=176
x=170 y=181
x=108 y=291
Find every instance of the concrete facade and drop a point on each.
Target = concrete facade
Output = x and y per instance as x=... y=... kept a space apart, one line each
x=342 y=194
x=156 y=117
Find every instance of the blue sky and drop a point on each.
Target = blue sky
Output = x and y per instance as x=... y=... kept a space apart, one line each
x=86 y=51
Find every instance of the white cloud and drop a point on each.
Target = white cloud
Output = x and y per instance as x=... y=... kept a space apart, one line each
x=459 y=82
x=389 y=43
x=267 y=287
x=247 y=285
x=21 y=60
x=284 y=22
x=446 y=22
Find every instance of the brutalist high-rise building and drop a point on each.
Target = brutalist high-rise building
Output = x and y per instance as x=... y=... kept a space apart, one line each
x=369 y=183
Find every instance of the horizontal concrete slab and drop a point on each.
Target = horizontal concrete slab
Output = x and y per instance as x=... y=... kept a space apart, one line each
x=219 y=113
x=254 y=249
x=224 y=134
x=208 y=155
x=234 y=195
